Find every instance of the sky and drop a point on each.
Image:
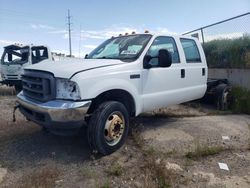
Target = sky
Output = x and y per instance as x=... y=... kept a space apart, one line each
x=45 y=22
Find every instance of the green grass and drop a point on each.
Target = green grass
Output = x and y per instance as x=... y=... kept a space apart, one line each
x=115 y=170
x=204 y=151
x=105 y=185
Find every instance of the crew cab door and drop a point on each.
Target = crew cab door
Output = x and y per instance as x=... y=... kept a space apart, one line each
x=195 y=68
x=162 y=86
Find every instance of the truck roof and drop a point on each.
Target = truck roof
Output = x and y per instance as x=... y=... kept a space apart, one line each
x=17 y=45
x=155 y=35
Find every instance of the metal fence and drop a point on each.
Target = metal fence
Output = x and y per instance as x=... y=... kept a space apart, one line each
x=226 y=43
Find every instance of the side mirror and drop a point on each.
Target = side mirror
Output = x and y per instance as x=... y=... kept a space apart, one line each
x=146 y=61
x=86 y=56
x=164 y=58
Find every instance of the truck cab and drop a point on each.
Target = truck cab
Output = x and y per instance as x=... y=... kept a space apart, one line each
x=17 y=56
x=122 y=78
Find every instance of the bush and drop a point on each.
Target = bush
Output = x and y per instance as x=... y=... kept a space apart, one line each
x=228 y=53
x=241 y=100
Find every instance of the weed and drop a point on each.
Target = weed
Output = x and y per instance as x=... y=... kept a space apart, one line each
x=241 y=100
x=115 y=170
x=188 y=162
x=204 y=151
x=4 y=91
x=173 y=152
x=105 y=185
x=149 y=151
x=42 y=177
x=87 y=173
x=137 y=138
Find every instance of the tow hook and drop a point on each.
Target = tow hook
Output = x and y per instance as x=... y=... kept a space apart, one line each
x=14 y=112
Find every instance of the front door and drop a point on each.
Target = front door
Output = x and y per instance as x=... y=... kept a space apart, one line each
x=162 y=86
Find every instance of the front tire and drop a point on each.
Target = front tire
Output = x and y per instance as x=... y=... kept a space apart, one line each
x=108 y=127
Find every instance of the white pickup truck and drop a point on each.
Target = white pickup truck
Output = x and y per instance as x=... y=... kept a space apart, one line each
x=121 y=78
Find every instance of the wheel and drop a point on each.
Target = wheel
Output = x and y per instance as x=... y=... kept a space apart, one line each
x=108 y=127
x=222 y=94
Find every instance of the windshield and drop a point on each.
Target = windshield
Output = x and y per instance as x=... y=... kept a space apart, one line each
x=123 y=48
x=15 y=55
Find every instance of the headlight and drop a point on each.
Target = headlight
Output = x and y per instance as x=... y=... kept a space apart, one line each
x=66 y=89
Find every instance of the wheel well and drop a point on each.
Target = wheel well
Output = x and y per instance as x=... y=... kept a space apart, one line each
x=118 y=95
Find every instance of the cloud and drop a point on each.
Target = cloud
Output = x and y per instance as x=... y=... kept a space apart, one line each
x=106 y=33
x=7 y=42
x=90 y=46
x=41 y=26
x=61 y=31
x=223 y=36
x=116 y=30
x=163 y=30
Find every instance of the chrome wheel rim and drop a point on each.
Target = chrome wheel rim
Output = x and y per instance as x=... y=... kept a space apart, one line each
x=114 y=128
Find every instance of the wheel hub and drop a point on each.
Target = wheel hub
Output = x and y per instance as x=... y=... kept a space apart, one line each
x=114 y=128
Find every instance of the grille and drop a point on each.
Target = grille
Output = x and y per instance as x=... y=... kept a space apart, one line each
x=38 y=85
x=12 y=76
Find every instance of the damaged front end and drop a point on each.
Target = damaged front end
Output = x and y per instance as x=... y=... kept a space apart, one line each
x=54 y=103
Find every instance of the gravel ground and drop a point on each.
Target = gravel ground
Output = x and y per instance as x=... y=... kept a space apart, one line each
x=174 y=147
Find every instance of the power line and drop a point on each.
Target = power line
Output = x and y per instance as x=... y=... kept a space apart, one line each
x=69 y=24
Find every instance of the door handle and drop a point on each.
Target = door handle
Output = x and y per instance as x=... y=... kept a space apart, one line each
x=203 y=71
x=182 y=73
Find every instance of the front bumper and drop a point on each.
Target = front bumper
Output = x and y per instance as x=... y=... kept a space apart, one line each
x=55 y=114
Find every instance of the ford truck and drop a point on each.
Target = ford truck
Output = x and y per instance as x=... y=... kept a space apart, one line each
x=122 y=78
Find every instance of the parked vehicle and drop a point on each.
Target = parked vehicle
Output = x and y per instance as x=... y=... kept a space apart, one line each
x=17 y=56
x=121 y=78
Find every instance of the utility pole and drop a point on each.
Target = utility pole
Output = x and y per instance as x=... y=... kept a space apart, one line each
x=80 y=39
x=69 y=24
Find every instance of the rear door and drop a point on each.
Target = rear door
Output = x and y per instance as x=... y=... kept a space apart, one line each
x=194 y=72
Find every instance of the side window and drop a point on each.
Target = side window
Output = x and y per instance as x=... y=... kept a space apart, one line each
x=191 y=51
x=39 y=54
x=167 y=43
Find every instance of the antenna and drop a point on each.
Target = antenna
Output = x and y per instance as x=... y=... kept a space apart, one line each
x=69 y=24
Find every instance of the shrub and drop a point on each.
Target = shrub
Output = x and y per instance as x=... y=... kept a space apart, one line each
x=228 y=53
x=241 y=100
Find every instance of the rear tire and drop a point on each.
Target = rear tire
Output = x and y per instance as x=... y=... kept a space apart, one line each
x=223 y=96
x=108 y=127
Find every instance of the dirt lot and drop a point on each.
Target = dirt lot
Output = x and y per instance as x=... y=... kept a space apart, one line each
x=175 y=147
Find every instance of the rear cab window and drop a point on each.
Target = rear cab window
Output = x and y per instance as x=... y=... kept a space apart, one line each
x=39 y=54
x=191 y=50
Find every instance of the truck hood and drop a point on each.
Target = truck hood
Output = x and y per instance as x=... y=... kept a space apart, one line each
x=67 y=68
